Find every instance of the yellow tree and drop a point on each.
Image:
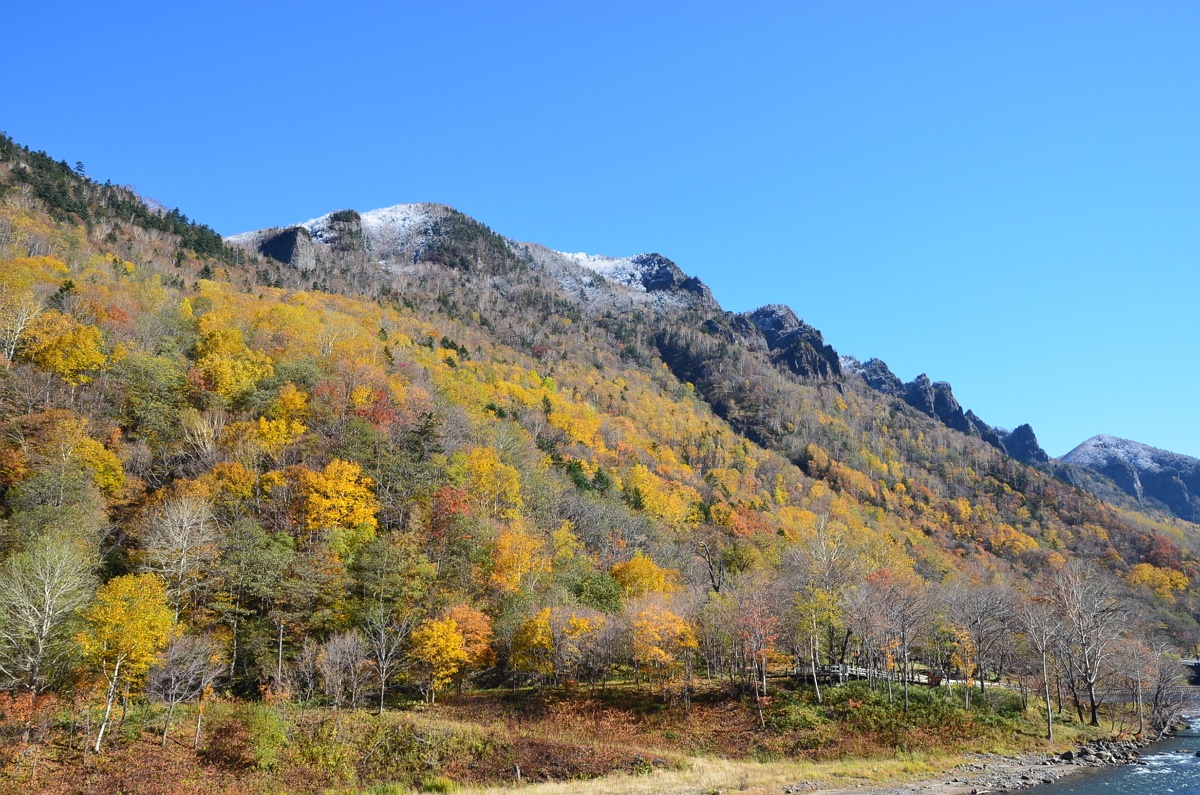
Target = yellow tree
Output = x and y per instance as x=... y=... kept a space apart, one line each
x=673 y=503
x=339 y=501
x=227 y=366
x=440 y=651
x=59 y=439
x=1162 y=581
x=59 y=343
x=533 y=646
x=662 y=642
x=576 y=636
x=284 y=426
x=640 y=575
x=493 y=487
x=291 y=405
x=126 y=627
x=19 y=307
x=519 y=560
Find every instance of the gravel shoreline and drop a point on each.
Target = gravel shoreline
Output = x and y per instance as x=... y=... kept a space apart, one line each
x=985 y=773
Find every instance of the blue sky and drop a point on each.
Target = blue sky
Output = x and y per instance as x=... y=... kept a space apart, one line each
x=1004 y=195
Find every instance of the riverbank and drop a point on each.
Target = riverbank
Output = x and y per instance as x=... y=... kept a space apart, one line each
x=976 y=774
x=983 y=773
x=986 y=773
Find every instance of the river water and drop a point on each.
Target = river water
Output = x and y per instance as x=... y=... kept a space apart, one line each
x=1170 y=767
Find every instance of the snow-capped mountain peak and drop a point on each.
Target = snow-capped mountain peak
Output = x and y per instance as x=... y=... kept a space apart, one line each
x=1102 y=449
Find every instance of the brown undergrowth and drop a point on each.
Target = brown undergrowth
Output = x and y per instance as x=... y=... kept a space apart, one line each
x=500 y=739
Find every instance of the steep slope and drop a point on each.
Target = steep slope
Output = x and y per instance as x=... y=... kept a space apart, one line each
x=401 y=237
x=769 y=375
x=1158 y=478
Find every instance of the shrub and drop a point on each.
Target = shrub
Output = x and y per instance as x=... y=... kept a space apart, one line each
x=438 y=784
x=266 y=731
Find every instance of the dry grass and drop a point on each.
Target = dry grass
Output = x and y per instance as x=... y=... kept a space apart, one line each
x=702 y=776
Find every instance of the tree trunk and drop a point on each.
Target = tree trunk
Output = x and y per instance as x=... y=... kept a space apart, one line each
x=237 y=605
x=812 y=647
x=1092 y=705
x=1074 y=691
x=167 y=725
x=1049 y=711
x=279 y=659
x=112 y=694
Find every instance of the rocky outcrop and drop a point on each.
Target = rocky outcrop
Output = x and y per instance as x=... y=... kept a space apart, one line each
x=1022 y=444
x=735 y=329
x=292 y=246
x=880 y=378
x=984 y=431
x=937 y=400
x=658 y=274
x=342 y=230
x=1148 y=474
x=794 y=344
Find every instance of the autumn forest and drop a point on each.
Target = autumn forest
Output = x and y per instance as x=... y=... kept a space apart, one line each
x=348 y=527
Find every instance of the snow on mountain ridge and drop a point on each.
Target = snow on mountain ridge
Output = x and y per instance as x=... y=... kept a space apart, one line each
x=384 y=228
x=624 y=270
x=248 y=239
x=396 y=236
x=1101 y=449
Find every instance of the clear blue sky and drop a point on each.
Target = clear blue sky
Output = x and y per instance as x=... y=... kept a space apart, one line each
x=1004 y=195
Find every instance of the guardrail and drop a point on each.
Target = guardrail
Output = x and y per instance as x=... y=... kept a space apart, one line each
x=841 y=673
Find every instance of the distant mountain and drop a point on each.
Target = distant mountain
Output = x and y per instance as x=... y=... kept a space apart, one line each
x=1151 y=476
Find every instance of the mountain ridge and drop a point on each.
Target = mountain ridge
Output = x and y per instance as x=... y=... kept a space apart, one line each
x=792 y=344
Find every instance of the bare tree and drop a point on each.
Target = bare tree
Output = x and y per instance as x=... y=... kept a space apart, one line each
x=179 y=543
x=1167 y=696
x=1041 y=626
x=820 y=567
x=865 y=620
x=40 y=590
x=305 y=672
x=985 y=612
x=902 y=604
x=385 y=640
x=1094 y=616
x=18 y=308
x=189 y=666
x=341 y=663
x=755 y=627
x=202 y=434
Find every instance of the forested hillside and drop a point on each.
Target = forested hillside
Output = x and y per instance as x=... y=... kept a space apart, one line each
x=228 y=478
